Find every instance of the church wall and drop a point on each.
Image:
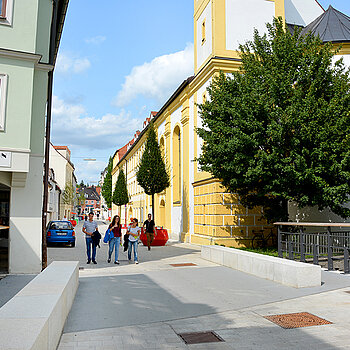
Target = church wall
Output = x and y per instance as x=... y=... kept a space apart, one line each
x=241 y=20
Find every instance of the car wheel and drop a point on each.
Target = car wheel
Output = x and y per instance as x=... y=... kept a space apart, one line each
x=72 y=244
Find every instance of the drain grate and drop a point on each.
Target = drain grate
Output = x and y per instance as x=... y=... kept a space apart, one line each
x=183 y=264
x=200 y=337
x=81 y=268
x=297 y=320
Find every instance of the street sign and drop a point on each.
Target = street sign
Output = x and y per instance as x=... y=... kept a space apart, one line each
x=5 y=159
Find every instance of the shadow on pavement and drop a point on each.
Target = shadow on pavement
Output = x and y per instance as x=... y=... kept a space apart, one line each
x=120 y=301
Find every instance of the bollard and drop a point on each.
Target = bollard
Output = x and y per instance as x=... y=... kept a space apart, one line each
x=329 y=249
x=302 y=245
x=315 y=254
x=346 y=260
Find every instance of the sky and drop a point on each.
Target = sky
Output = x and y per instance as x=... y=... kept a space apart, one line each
x=118 y=62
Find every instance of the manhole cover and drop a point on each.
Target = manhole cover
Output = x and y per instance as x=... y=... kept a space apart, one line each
x=184 y=264
x=297 y=320
x=200 y=337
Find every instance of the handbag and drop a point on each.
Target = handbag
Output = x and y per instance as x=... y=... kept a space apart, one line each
x=107 y=236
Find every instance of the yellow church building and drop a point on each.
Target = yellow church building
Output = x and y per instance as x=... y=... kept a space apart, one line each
x=195 y=208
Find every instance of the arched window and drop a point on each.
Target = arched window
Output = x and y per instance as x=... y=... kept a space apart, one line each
x=177 y=165
x=161 y=220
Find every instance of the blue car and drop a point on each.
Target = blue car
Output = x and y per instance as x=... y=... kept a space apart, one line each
x=60 y=232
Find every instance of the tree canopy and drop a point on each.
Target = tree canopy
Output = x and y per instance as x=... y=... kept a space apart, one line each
x=69 y=194
x=120 y=194
x=107 y=184
x=152 y=174
x=278 y=130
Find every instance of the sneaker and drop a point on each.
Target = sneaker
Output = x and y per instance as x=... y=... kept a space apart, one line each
x=94 y=261
x=149 y=248
x=88 y=262
x=109 y=260
x=136 y=262
x=117 y=262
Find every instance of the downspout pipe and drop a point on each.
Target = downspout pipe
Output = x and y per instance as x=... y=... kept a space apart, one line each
x=48 y=130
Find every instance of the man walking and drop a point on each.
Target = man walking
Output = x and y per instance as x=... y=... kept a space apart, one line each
x=89 y=227
x=149 y=226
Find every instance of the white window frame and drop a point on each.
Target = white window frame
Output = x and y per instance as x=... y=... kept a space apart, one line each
x=3 y=93
x=7 y=20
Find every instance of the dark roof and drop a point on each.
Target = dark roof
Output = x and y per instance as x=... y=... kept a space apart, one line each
x=333 y=26
x=292 y=27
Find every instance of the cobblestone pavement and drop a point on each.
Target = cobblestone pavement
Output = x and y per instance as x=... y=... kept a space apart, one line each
x=147 y=306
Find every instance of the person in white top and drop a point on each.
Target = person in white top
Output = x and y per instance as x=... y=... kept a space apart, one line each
x=134 y=234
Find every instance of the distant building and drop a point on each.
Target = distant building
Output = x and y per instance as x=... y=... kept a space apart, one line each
x=92 y=201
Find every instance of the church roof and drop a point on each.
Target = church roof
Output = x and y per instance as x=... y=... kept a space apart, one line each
x=332 y=25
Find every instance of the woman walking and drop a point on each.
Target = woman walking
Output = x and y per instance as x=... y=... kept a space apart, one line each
x=114 y=243
x=134 y=234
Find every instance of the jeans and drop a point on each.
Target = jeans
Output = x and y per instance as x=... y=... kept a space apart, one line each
x=135 y=245
x=88 y=249
x=114 y=244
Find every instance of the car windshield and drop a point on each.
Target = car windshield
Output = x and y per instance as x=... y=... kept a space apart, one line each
x=57 y=225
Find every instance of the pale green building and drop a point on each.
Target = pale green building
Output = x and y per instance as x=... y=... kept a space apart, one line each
x=30 y=32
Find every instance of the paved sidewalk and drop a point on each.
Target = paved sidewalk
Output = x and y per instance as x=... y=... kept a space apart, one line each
x=146 y=306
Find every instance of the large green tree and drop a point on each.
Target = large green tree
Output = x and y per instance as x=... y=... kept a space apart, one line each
x=152 y=174
x=107 y=184
x=279 y=129
x=120 y=194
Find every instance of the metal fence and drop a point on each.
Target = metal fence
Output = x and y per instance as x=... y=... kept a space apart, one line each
x=312 y=241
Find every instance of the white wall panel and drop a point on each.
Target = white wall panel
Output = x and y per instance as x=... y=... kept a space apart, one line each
x=302 y=12
x=243 y=16
x=204 y=50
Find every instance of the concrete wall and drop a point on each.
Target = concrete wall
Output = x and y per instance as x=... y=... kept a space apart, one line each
x=287 y=272
x=25 y=221
x=34 y=318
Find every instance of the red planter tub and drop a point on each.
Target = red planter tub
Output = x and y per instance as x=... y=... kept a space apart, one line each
x=160 y=237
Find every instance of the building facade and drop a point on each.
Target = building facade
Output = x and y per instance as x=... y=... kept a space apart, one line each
x=54 y=197
x=92 y=203
x=196 y=208
x=64 y=171
x=29 y=39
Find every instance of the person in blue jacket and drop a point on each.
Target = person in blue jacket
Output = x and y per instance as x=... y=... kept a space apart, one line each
x=115 y=235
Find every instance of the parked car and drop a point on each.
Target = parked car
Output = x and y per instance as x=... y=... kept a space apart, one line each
x=60 y=232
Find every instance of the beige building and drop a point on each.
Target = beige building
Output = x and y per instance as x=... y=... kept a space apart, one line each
x=195 y=208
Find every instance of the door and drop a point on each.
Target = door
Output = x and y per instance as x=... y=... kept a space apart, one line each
x=4 y=228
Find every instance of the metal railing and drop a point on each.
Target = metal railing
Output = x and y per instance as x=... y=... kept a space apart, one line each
x=307 y=241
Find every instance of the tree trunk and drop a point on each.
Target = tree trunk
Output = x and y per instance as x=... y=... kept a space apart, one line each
x=285 y=210
x=153 y=208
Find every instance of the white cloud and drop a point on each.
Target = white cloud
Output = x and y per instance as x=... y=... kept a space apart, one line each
x=95 y=40
x=157 y=79
x=73 y=126
x=71 y=64
x=89 y=171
